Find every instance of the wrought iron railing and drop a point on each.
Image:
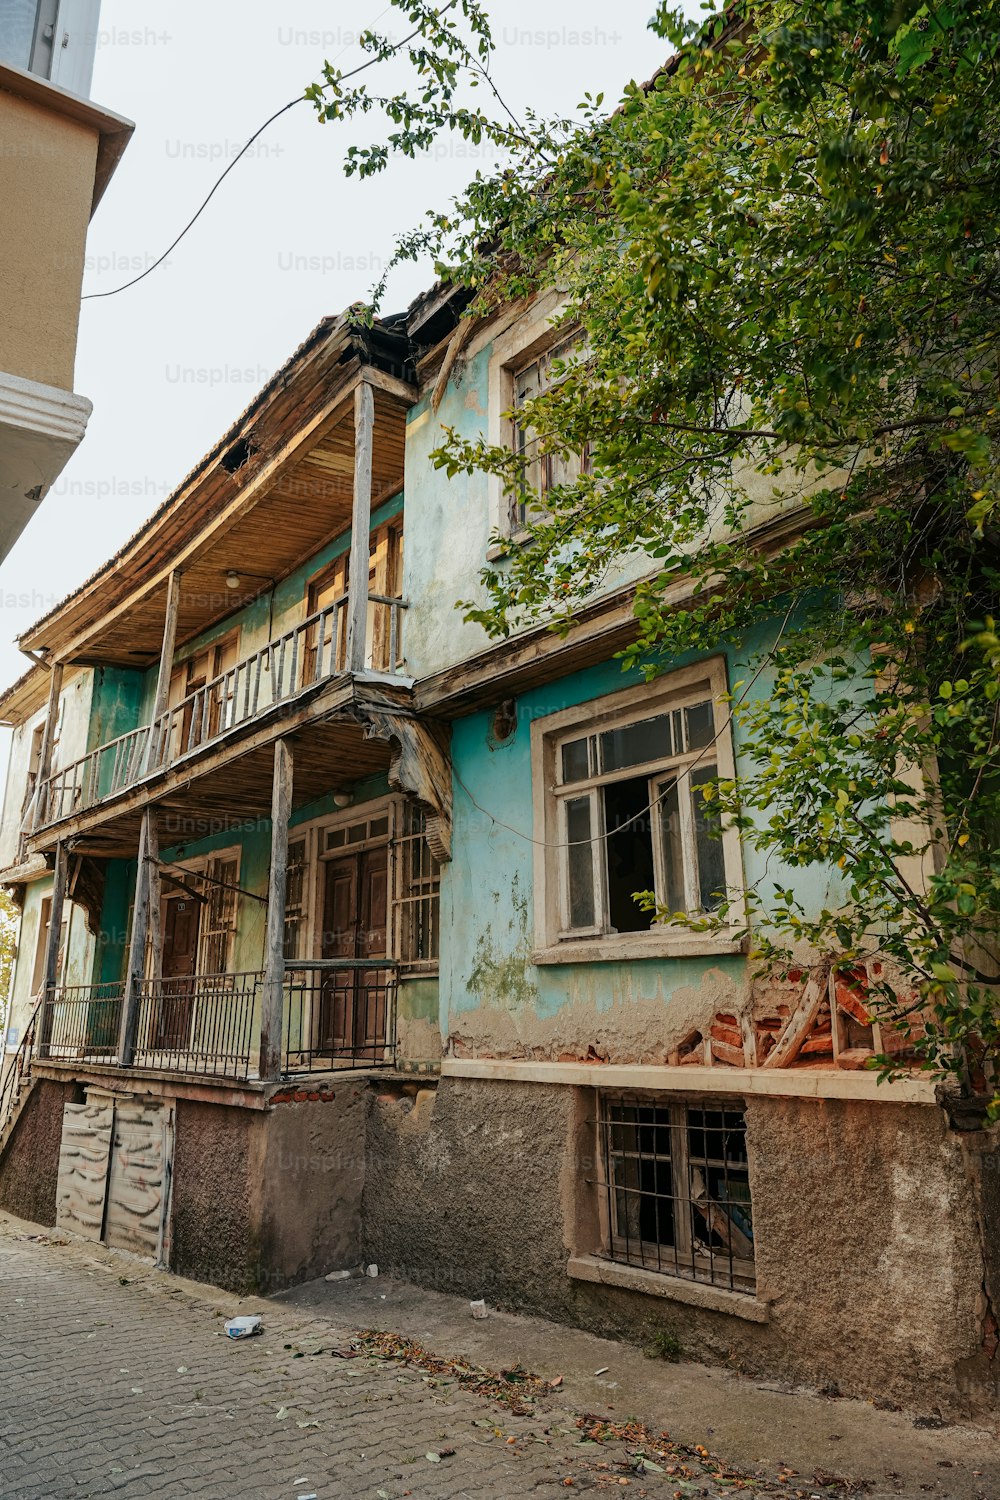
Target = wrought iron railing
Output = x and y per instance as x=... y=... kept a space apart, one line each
x=201 y=1023
x=339 y=1013
x=311 y=651
x=18 y=1070
x=81 y=1021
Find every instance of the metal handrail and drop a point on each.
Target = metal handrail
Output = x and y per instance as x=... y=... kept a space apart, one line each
x=309 y=652
x=18 y=1068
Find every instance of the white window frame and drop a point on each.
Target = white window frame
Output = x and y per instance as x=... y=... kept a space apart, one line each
x=553 y=943
x=65 y=35
x=525 y=340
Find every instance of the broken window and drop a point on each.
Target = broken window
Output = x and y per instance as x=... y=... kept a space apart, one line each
x=630 y=816
x=676 y=1188
x=543 y=470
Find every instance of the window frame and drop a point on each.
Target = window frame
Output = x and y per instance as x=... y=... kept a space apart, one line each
x=554 y=943
x=686 y=1262
x=518 y=345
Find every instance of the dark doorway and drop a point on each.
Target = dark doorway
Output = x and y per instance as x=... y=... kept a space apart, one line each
x=172 y=1022
x=353 y=1001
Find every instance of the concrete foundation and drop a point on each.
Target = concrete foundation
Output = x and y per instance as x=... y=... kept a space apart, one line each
x=876 y=1225
x=869 y=1239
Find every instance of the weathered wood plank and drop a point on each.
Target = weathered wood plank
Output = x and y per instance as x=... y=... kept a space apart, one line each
x=272 y=1009
x=800 y=1022
x=357 y=608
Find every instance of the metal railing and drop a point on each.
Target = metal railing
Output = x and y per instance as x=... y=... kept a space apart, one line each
x=81 y=1021
x=339 y=1013
x=310 y=652
x=202 y=1023
x=18 y=1071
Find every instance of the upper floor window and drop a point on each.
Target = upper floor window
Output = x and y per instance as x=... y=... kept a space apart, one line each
x=56 y=39
x=620 y=809
x=544 y=470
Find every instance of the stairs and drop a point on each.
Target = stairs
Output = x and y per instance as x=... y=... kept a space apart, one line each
x=16 y=1084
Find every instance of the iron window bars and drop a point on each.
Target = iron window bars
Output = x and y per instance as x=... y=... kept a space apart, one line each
x=676 y=1188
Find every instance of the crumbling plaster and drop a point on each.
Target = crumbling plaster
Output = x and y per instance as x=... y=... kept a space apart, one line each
x=869 y=1257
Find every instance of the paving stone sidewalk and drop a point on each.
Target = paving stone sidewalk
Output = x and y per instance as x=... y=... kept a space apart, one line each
x=118 y=1380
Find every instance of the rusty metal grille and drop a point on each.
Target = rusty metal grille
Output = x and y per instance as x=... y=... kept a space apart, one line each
x=676 y=1188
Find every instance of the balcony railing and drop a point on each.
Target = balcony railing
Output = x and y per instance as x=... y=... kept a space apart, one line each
x=310 y=652
x=338 y=1015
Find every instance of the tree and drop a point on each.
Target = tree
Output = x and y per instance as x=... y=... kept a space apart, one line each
x=782 y=257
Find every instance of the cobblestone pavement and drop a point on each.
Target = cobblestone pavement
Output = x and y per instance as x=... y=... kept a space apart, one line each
x=116 y=1379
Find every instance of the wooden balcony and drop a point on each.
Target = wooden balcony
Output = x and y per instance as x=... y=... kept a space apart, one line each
x=279 y=673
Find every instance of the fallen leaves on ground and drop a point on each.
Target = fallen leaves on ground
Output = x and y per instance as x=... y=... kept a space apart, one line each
x=515 y=1387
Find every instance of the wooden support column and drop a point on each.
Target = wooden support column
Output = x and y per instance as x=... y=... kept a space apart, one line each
x=361 y=525
x=48 y=741
x=148 y=857
x=272 y=1008
x=166 y=664
x=155 y=899
x=59 y=879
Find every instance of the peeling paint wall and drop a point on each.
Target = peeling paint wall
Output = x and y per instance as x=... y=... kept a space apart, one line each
x=494 y=999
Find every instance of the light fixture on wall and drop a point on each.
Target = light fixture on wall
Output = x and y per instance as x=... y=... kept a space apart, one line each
x=232 y=580
x=343 y=799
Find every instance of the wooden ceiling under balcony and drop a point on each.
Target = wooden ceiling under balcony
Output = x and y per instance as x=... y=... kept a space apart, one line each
x=269 y=496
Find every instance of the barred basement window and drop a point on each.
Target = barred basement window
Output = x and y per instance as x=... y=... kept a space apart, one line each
x=418 y=886
x=295 y=900
x=677 y=1189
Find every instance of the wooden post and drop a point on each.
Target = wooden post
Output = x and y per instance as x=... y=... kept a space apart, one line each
x=48 y=741
x=272 y=1007
x=148 y=856
x=59 y=879
x=155 y=898
x=361 y=525
x=166 y=664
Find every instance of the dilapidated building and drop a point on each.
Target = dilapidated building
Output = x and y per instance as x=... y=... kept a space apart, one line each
x=328 y=949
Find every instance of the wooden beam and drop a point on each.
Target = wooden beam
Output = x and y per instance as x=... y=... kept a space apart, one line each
x=51 y=972
x=148 y=855
x=420 y=767
x=361 y=525
x=334 y=411
x=272 y=1009
x=155 y=898
x=166 y=663
x=48 y=738
x=800 y=1022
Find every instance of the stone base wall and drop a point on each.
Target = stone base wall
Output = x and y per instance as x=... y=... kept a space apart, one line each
x=869 y=1236
x=29 y=1166
x=876 y=1226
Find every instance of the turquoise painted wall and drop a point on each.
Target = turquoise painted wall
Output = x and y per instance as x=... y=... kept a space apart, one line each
x=487 y=890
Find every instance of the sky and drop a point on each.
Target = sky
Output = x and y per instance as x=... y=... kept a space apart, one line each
x=169 y=364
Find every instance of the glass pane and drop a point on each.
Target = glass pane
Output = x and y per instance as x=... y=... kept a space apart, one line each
x=635 y=744
x=377 y=827
x=335 y=838
x=575 y=761
x=673 y=853
x=700 y=725
x=17 y=31
x=580 y=862
x=711 y=865
x=629 y=852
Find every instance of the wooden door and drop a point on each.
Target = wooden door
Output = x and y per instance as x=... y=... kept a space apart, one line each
x=352 y=1004
x=172 y=1020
